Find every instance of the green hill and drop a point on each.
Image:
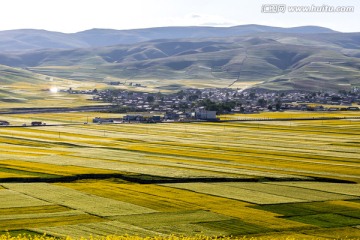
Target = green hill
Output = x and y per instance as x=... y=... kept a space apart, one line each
x=9 y=75
x=281 y=61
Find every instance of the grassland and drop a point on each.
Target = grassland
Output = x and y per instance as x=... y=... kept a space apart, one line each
x=15 y=92
x=276 y=179
x=18 y=93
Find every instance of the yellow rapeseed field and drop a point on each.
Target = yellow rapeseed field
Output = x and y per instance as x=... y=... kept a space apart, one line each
x=265 y=180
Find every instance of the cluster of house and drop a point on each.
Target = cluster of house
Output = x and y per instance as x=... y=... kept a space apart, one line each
x=200 y=115
x=246 y=101
x=117 y=83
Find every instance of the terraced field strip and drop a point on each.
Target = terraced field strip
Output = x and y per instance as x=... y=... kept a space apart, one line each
x=188 y=222
x=335 y=233
x=74 y=199
x=305 y=148
x=204 y=168
x=289 y=191
x=348 y=204
x=19 y=211
x=168 y=218
x=168 y=199
x=33 y=209
x=41 y=215
x=227 y=191
x=143 y=195
x=65 y=117
x=38 y=169
x=319 y=234
x=347 y=189
x=345 y=208
x=294 y=114
x=131 y=168
x=25 y=223
x=18 y=148
x=7 y=175
x=327 y=220
x=235 y=227
x=330 y=214
x=47 y=136
x=12 y=199
x=99 y=229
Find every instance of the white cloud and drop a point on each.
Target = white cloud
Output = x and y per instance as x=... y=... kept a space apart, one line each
x=195 y=16
x=203 y=20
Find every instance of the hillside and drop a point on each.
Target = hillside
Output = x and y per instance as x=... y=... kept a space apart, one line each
x=9 y=75
x=276 y=58
x=20 y=88
x=282 y=61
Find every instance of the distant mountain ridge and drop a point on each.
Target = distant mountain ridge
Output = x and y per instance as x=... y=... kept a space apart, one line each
x=281 y=58
x=32 y=39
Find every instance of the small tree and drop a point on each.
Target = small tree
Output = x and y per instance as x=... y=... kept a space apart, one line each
x=278 y=106
x=262 y=102
x=150 y=99
x=193 y=97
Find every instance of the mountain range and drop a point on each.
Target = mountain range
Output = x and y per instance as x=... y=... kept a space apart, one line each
x=32 y=39
x=281 y=58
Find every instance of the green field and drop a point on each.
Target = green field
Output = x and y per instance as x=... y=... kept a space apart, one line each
x=276 y=179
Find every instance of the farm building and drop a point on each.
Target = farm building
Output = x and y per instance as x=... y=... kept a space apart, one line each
x=133 y=118
x=4 y=123
x=205 y=115
x=106 y=120
x=142 y=118
x=37 y=123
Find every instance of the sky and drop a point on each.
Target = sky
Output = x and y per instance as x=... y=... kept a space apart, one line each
x=70 y=16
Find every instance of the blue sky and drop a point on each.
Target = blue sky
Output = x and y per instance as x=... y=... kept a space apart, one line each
x=77 y=15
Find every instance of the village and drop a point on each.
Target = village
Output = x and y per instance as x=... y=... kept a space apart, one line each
x=206 y=104
x=227 y=100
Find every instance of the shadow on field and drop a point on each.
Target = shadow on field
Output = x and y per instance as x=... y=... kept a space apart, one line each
x=149 y=179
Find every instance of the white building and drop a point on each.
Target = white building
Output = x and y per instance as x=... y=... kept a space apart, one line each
x=205 y=115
